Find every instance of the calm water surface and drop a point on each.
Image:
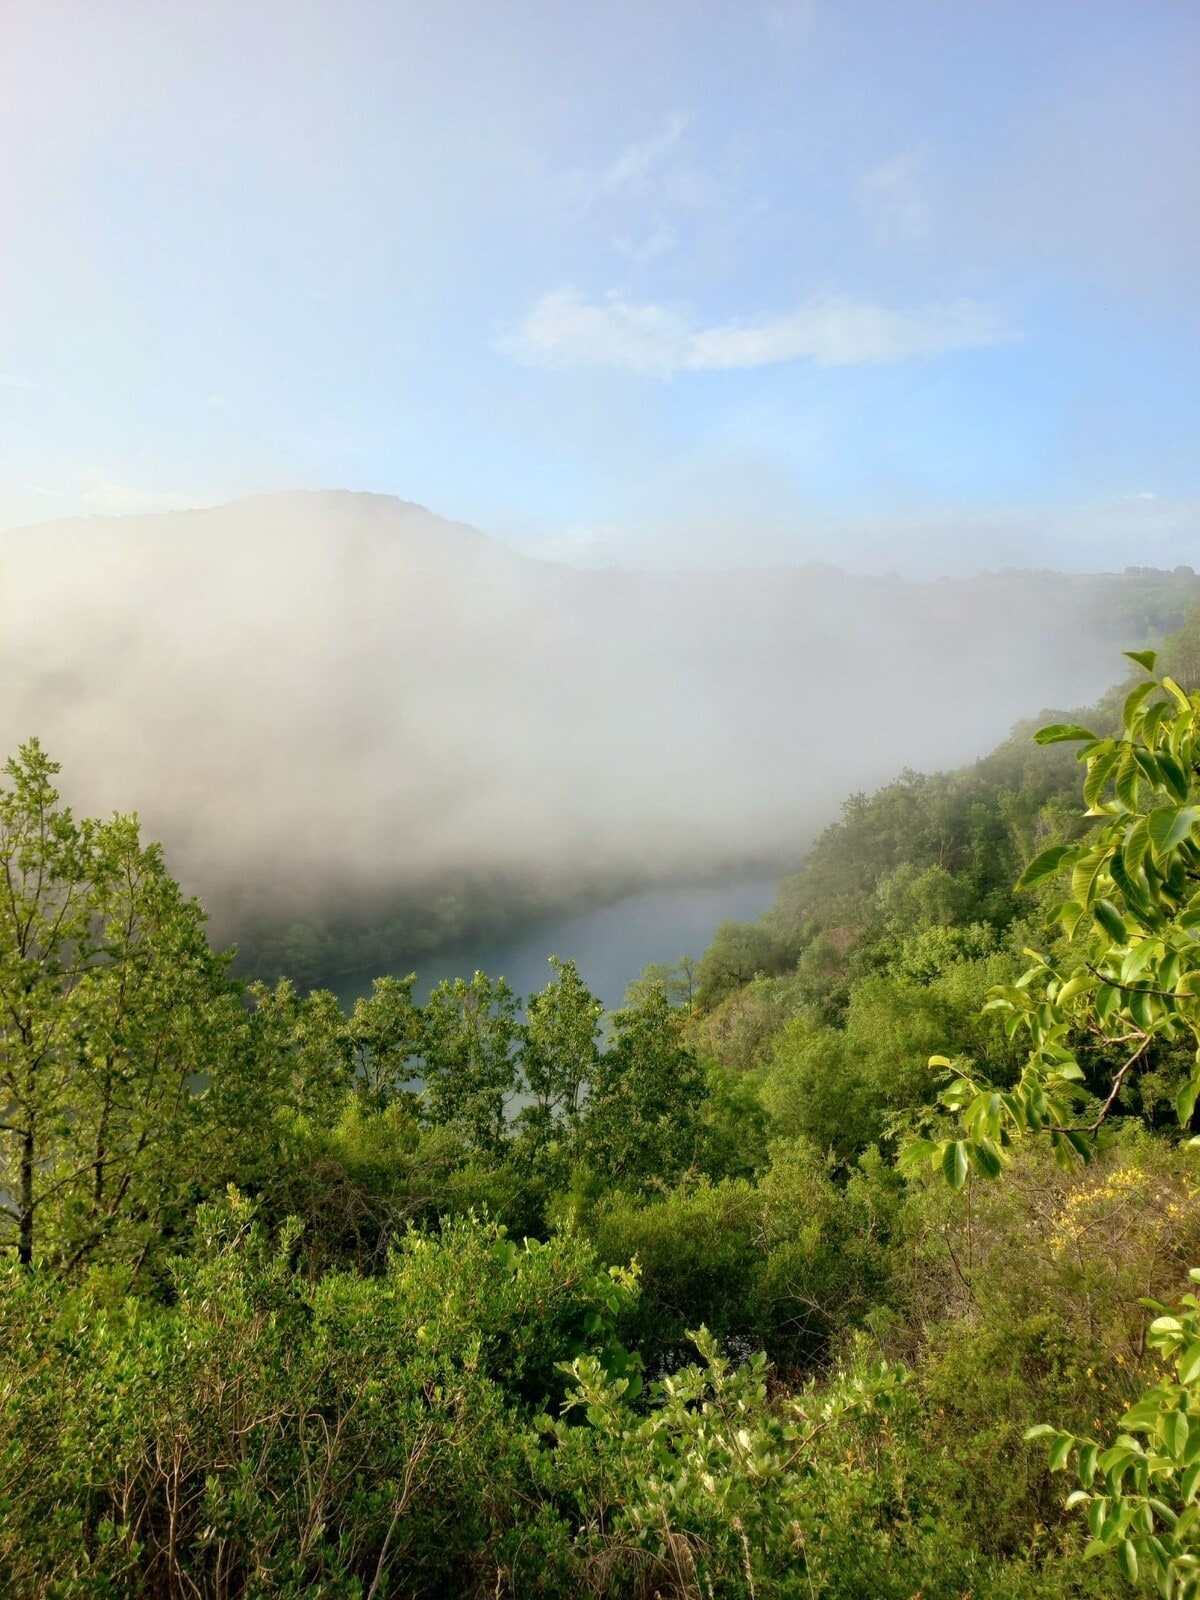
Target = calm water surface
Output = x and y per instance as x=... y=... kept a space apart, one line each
x=610 y=944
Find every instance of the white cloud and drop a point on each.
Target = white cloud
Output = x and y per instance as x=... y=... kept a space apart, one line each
x=661 y=239
x=894 y=201
x=633 y=165
x=566 y=330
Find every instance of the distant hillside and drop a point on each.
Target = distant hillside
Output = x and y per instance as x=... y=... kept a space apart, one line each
x=319 y=698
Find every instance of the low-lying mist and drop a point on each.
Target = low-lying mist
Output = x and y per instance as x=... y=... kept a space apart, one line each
x=317 y=699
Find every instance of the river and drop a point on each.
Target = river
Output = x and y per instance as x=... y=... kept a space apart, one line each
x=609 y=944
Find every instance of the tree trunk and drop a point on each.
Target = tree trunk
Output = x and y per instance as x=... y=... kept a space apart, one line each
x=25 y=1222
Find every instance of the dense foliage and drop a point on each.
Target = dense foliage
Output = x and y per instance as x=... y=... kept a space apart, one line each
x=496 y=1295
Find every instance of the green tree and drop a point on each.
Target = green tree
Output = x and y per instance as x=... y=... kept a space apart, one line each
x=1125 y=992
x=642 y=1121
x=468 y=1037
x=1126 y=987
x=739 y=952
x=679 y=980
x=307 y=1034
x=117 y=1023
x=384 y=1034
x=325 y=1053
x=716 y=1489
x=559 y=1052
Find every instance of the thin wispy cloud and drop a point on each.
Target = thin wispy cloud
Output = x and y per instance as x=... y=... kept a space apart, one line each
x=641 y=252
x=565 y=329
x=636 y=161
x=894 y=200
x=638 y=186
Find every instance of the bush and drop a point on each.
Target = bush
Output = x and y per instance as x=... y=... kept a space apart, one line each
x=786 y=1265
x=267 y=1435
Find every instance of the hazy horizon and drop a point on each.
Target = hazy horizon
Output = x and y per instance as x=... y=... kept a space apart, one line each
x=864 y=560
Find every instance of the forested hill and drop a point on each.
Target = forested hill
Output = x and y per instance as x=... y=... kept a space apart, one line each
x=902 y=916
x=753 y=1288
x=333 y=703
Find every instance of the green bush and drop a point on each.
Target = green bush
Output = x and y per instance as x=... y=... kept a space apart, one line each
x=268 y=1435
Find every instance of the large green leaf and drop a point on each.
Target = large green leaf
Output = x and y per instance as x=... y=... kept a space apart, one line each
x=1046 y=864
x=986 y=1158
x=1176 y=777
x=1153 y=717
x=1111 y=920
x=1106 y=1002
x=1085 y=876
x=1141 y=957
x=1175 y=1432
x=1137 y=842
x=1180 y=697
x=915 y=1154
x=1127 y=781
x=1135 y=889
x=1061 y=733
x=1148 y=761
x=1060 y=1450
x=1189 y=1362
x=1133 y=703
x=1170 y=826
x=1100 y=769
x=954 y=1164
x=1144 y=1009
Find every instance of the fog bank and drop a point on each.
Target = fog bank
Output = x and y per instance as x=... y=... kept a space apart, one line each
x=315 y=697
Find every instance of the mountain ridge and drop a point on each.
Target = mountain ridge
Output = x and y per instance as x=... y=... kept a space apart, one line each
x=379 y=503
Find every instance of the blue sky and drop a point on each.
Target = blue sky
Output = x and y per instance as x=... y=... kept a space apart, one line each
x=900 y=285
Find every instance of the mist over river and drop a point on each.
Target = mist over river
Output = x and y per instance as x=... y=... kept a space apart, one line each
x=609 y=944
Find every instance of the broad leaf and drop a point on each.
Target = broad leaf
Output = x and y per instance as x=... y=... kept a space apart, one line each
x=954 y=1164
x=986 y=1158
x=1061 y=733
x=1169 y=827
x=1134 y=703
x=1060 y=1450
x=1046 y=864
x=1111 y=920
